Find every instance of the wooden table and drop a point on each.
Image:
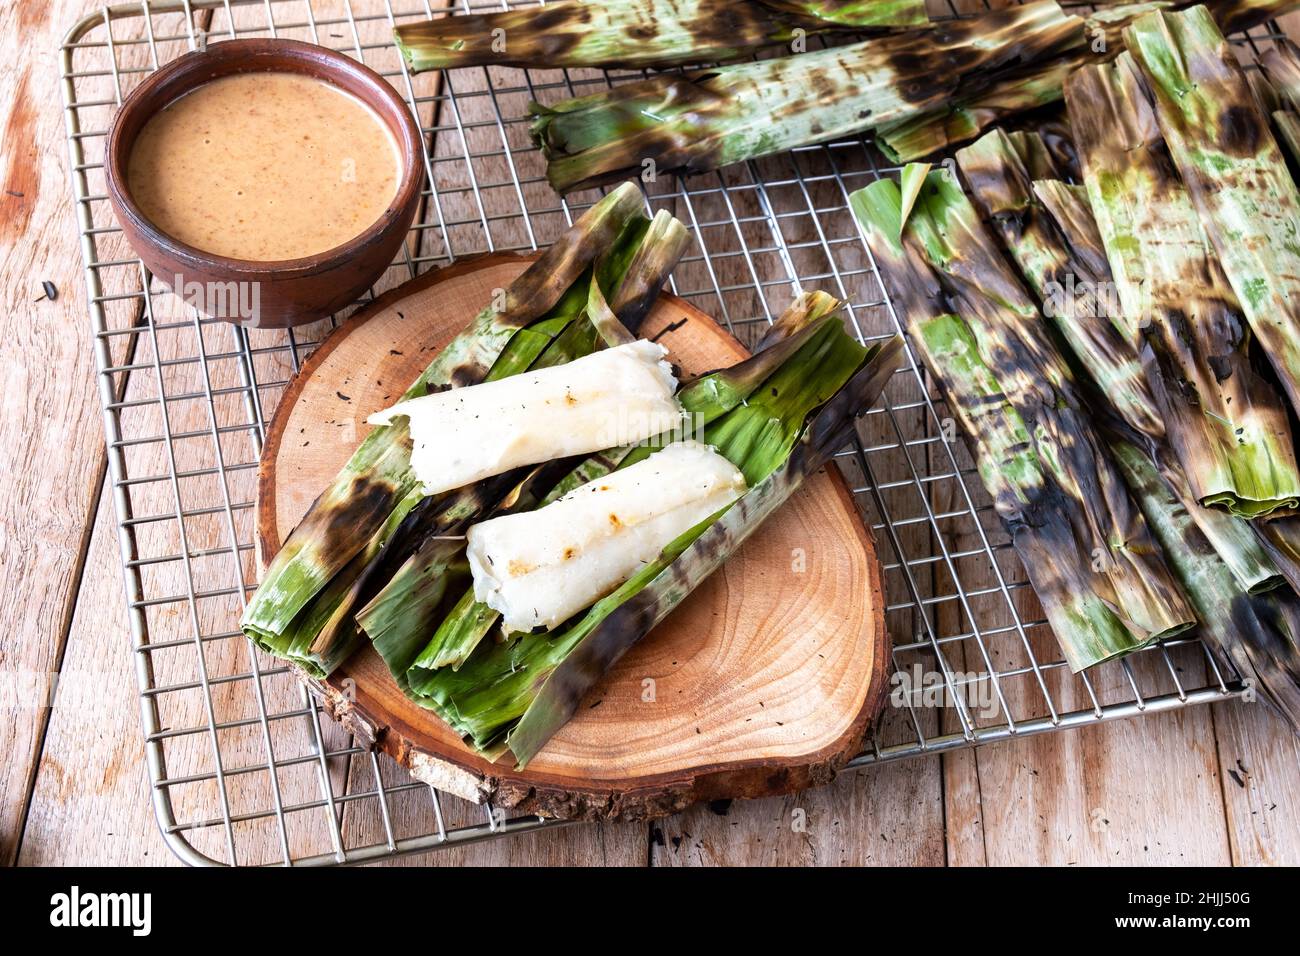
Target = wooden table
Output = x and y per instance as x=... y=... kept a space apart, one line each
x=1204 y=785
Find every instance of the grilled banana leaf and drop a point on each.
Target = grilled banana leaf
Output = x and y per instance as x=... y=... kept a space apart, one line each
x=637 y=33
x=1072 y=282
x=1040 y=84
x=399 y=610
x=966 y=116
x=694 y=122
x=376 y=494
x=1048 y=230
x=1102 y=580
x=1227 y=426
x=1281 y=539
x=1281 y=67
x=518 y=693
x=1259 y=634
x=1281 y=64
x=1235 y=173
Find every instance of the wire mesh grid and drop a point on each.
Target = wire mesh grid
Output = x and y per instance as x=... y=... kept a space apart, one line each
x=244 y=766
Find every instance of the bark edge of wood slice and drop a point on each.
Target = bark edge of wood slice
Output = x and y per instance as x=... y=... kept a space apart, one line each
x=763 y=682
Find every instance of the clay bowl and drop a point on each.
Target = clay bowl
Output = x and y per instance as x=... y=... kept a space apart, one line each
x=290 y=291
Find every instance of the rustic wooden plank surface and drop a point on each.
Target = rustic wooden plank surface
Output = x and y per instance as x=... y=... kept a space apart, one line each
x=74 y=789
x=50 y=409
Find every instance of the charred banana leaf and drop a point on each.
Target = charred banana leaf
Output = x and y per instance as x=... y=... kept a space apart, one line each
x=683 y=124
x=1259 y=634
x=375 y=494
x=1281 y=66
x=1235 y=16
x=518 y=693
x=637 y=33
x=1235 y=173
x=1039 y=85
x=1227 y=426
x=1071 y=282
x=1098 y=572
x=1048 y=229
x=400 y=610
x=1281 y=539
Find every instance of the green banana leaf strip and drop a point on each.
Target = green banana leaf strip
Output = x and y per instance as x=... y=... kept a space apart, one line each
x=346 y=516
x=1038 y=85
x=637 y=34
x=1048 y=229
x=498 y=684
x=626 y=272
x=1259 y=635
x=1105 y=586
x=1070 y=280
x=699 y=121
x=1227 y=426
x=449 y=571
x=1234 y=172
x=704 y=399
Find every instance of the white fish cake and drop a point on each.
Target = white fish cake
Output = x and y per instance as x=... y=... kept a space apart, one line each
x=539 y=568
x=617 y=396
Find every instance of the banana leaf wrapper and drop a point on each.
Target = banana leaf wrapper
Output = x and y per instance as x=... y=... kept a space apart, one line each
x=632 y=271
x=1099 y=574
x=1039 y=85
x=1277 y=88
x=1281 y=65
x=1235 y=173
x=400 y=610
x=1258 y=634
x=703 y=120
x=1047 y=228
x=637 y=34
x=376 y=492
x=516 y=694
x=1227 y=426
x=1281 y=540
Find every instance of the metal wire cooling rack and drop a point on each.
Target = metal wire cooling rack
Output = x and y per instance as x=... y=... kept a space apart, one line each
x=244 y=768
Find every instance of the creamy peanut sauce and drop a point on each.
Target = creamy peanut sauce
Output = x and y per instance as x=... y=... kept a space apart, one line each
x=264 y=166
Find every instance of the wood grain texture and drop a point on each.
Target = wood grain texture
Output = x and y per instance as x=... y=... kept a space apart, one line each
x=50 y=424
x=90 y=801
x=750 y=697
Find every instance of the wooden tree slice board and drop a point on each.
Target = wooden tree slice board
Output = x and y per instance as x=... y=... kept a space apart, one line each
x=762 y=682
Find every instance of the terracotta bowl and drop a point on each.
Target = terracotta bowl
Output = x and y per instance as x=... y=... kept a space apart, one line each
x=290 y=291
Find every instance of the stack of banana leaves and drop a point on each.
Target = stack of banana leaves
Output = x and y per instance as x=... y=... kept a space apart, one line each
x=918 y=90
x=776 y=417
x=1147 y=283
x=702 y=120
x=382 y=556
x=1039 y=84
x=1102 y=580
x=1277 y=86
x=639 y=33
x=1237 y=178
x=612 y=260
